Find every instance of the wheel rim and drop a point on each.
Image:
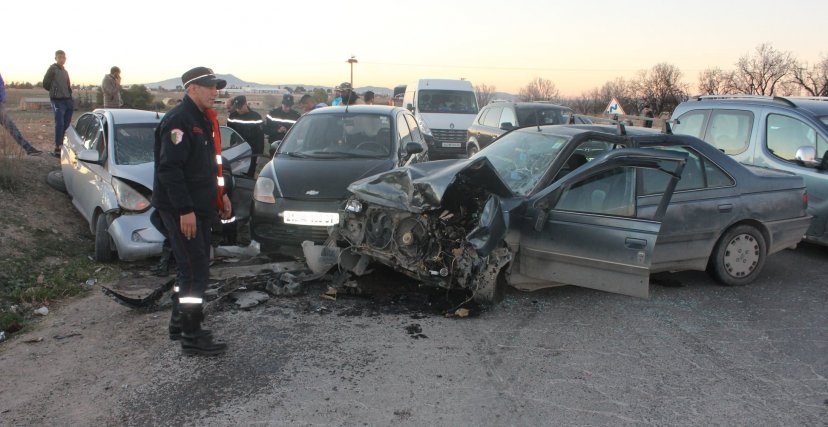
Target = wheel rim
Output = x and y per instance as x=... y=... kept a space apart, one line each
x=741 y=255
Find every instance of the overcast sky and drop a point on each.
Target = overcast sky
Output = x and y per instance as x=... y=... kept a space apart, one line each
x=578 y=45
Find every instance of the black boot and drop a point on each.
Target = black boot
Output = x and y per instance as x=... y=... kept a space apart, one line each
x=175 y=320
x=194 y=340
x=162 y=269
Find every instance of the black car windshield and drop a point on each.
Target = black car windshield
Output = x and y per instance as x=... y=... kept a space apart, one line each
x=447 y=101
x=344 y=135
x=523 y=157
x=134 y=143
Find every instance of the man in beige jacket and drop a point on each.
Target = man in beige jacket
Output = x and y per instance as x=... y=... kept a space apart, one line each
x=111 y=87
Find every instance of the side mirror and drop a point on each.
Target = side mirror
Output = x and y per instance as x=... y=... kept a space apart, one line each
x=507 y=126
x=807 y=156
x=412 y=147
x=90 y=156
x=429 y=138
x=274 y=146
x=409 y=107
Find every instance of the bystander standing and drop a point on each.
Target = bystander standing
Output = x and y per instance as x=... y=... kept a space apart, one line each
x=57 y=82
x=111 y=88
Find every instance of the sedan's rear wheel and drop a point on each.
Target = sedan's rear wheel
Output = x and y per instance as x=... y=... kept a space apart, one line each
x=103 y=243
x=739 y=256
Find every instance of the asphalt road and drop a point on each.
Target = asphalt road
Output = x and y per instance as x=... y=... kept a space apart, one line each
x=694 y=353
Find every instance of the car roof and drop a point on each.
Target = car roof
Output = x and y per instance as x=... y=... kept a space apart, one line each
x=815 y=105
x=528 y=104
x=127 y=116
x=358 y=109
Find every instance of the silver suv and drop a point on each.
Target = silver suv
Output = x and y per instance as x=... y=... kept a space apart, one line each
x=786 y=133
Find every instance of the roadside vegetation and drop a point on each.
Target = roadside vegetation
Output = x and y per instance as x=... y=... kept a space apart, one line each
x=44 y=255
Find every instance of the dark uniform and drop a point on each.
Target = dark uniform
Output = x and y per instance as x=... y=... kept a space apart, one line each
x=249 y=126
x=186 y=180
x=277 y=118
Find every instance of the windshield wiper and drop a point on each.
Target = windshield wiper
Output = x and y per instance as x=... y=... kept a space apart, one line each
x=335 y=154
x=295 y=154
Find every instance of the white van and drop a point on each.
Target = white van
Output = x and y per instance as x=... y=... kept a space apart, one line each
x=445 y=108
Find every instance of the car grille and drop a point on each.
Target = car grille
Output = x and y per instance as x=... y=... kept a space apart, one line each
x=449 y=135
x=290 y=234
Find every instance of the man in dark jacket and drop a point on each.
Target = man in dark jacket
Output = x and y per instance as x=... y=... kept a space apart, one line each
x=279 y=120
x=56 y=81
x=248 y=124
x=8 y=123
x=187 y=191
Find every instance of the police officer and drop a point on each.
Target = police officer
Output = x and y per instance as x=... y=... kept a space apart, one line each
x=279 y=120
x=188 y=193
x=248 y=124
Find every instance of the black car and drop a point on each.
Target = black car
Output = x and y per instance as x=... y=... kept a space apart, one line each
x=299 y=192
x=593 y=206
x=500 y=117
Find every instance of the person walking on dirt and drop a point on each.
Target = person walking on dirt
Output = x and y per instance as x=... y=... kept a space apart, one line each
x=188 y=193
x=57 y=82
x=8 y=123
x=111 y=88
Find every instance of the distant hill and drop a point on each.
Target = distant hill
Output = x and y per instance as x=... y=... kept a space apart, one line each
x=234 y=82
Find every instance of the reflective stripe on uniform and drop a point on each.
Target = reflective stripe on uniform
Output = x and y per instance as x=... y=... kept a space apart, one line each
x=189 y=300
x=218 y=159
x=276 y=119
x=245 y=122
x=175 y=289
x=221 y=181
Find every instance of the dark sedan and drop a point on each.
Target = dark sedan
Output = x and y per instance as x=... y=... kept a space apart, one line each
x=299 y=192
x=579 y=205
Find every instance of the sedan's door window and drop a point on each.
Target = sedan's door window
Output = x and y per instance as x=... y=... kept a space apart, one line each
x=785 y=135
x=610 y=192
x=699 y=172
x=403 y=131
x=93 y=134
x=729 y=130
x=416 y=135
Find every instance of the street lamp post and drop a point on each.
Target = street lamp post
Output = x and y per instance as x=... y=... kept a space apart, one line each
x=352 y=60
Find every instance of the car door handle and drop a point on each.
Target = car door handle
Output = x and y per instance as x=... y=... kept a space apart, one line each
x=726 y=208
x=633 y=243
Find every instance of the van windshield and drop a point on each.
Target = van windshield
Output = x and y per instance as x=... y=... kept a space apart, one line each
x=447 y=101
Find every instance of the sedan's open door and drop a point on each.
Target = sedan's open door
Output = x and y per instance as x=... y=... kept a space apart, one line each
x=584 y=230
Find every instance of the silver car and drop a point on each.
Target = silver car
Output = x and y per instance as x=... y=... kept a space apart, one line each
x=107 y=165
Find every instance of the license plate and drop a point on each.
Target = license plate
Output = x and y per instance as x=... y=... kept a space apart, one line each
x=310 y=218
x=451 y=145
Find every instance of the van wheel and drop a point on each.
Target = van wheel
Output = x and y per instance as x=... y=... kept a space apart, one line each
x=738 y=256
x=103 y=243
x=472 y=149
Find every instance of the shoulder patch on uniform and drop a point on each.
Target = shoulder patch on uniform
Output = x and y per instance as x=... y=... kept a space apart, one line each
x=176 y=136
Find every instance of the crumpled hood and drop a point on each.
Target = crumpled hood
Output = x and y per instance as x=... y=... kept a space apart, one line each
x=421 y=187
x=142 y=174
x=329 y=177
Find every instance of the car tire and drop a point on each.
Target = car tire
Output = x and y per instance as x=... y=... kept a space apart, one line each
x=103 y=243
x=738 y=256
x=472 y=149
x=55 y=180
x=489 y=289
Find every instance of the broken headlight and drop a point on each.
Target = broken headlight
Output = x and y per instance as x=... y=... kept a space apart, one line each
x=128 y=198
x=354 y=206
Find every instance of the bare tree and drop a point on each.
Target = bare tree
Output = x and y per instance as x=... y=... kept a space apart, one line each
x=762 y=72
x=814 y=79
x=660 y=87
x=622 y=90
x=714 y=81
x=540 y=89
x=484 y=93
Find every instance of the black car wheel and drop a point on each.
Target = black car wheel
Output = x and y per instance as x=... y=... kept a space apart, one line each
x=103 y=243
x=738 y=256
x=490 y=283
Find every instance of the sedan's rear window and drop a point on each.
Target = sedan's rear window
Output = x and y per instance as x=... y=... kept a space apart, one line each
x=134 y=143
x=542 y=116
